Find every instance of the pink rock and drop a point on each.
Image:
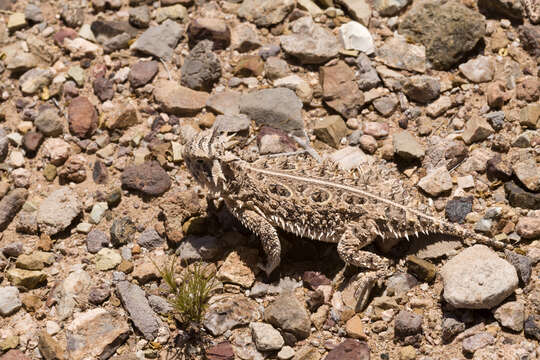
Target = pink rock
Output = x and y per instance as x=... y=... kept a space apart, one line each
x=82 y=117
x=376 y=129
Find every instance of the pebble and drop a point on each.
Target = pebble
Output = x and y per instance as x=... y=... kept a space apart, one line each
x=288 y=314
x=122 y=231
x=82 y=117
x=522 y=263
x=478 y=279
x=159 y=41
x=407 y=146
x=58 y=211
x=477 y=341
x=257 y=12
x=201 y=68
x=479 y=70
x=511 y=315
x=476 y=129
x=528 y=172
x=229 y=311
x=350 y=349
x=422 y=88
x=148 y=178
x=107 y=259
x=134 y=301
x=266 y=338
x=10 y=301
x=436 y=182
x=10 y=205
x=399 y=54
x=179 y=100
x=355 y=36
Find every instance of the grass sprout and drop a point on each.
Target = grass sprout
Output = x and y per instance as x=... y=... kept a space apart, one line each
x=191 y=295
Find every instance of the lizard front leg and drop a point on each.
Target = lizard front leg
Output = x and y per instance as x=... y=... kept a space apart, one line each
x=269 y=238
x=350 y=249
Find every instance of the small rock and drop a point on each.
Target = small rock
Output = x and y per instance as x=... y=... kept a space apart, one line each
x=124 y=116
x=407 y=324
x=107 y=259
x=450 y=328
x=149 y=178
x=531 y=327
x=122 y=231
x=522 y=263
x=10 y=205
x=350 y=349
x=103 y=88
x=239 y=267
x=96 y=240
x=174 y=12
x=179 y=100
x=139 y=16
x=245 y=38
x=201 y=68
x=134 y=301
x=355 y=328
x=436 y=182
x=159 y=41
x=528 y=172
x=399 y=54
x=150 y=239
x=457 y=209
x=407 y=147
x=35 y=80
x=48 y=347
x=213 y=29
x=528 y=227
x=511 y=315
x=74 y=170
x=422 y=269
x=249 y=66
x=221 y=351
x=261 y=14
x=49 y=123
x=142 y=72
x=228 y=311
x=287 y=313
x=82 y=117
x=279 y=108
x=10 y=302
x=422 y=88
x=98 y=295
x=310 y=43
x=58 y=211
x=28 y=279
x=331 y=130
x=389 y=7
x=466 y=278
x=479 y=70
x=355 y=36
x=266 y=338
x=340 y=92
x=477 y=341
x=476 y=129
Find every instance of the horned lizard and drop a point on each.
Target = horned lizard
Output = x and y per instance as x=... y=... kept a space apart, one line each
x=315 y=200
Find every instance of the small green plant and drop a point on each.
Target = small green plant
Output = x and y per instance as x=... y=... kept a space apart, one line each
x=191 y=296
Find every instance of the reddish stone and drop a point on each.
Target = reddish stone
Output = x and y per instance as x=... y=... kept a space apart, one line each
x=142 y=73
x=315 y=279
x=222 y=351
x=14 y=355
x=82 y=117
x=350 y=349
x=64 y=33
x=103 y=88
x=148 y=178
x=31 y=141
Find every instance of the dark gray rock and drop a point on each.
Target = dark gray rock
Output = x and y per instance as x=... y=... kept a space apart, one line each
x=519 y=197
x=367 y=77
x=531 y=328
x=450 y=328
x=159 y=304
x=201 y=68
x=407 y=324
x=448 y=30
x=159 y=41
x=4 y=144
x=49 y=123
x=522 y=263
x=99 y=294
x=279 y=108
x=457 y=208
x=10 y=205
x=141 y=314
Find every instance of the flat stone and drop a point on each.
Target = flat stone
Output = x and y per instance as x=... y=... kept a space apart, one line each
x=528 y=227
x=407 y=147
x=159 y=41
x=142 y=72
x=179 y=100
x=201 y=68
x=457 y=208
x=448 y=31
x=266 y=337
x=141 y=314
x=386 y=105
x=221 y=351
x=399 y=54
x=213 y=29
x=436 y=182
x=476 y=129
x=359 y=10
x=48 y=347
x=96 y=240
x=287 y=313
x=279 y=108
x=107 y=259
x=10 y=301
x=96 y=333
x=228 y=311
x=528 y=172
x=350 y=349
x=140 y=16
x=28 y=279
x=422 y=88
x=310 y=42
x=35 y=80
x=150 y=239
x=10 y=205
x=477 y=341
x=58 y=211
x=239 y=267
x=245 y=38
x=82 y=117
x=519 y=197
x=264 y=13
x=355 y=36
x=478 y=279
x=340 y=92
x=17 y=60
x=479 y=70
x=149 y=178
x=331 y=130
x=225 y=102
x=522 y=263
x=511 y=315
x=14 y=355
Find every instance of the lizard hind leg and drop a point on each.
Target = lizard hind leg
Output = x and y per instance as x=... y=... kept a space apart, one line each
x=350 y=250
x=268 y=236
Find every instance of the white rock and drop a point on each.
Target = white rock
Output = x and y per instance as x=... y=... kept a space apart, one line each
x=478 y=70
x=16 y=159
x=355 y=36
x=52 y=327
x=436 y=182
x=285 y=353
x=511 y=315
x=57 y=211
x=80 y=47
x=465 y=182
x=98 y=210
x=477 y=278
x=10 y=302
x=266 y=338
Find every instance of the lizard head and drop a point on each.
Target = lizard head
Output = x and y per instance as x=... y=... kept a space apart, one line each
x=203 y=155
